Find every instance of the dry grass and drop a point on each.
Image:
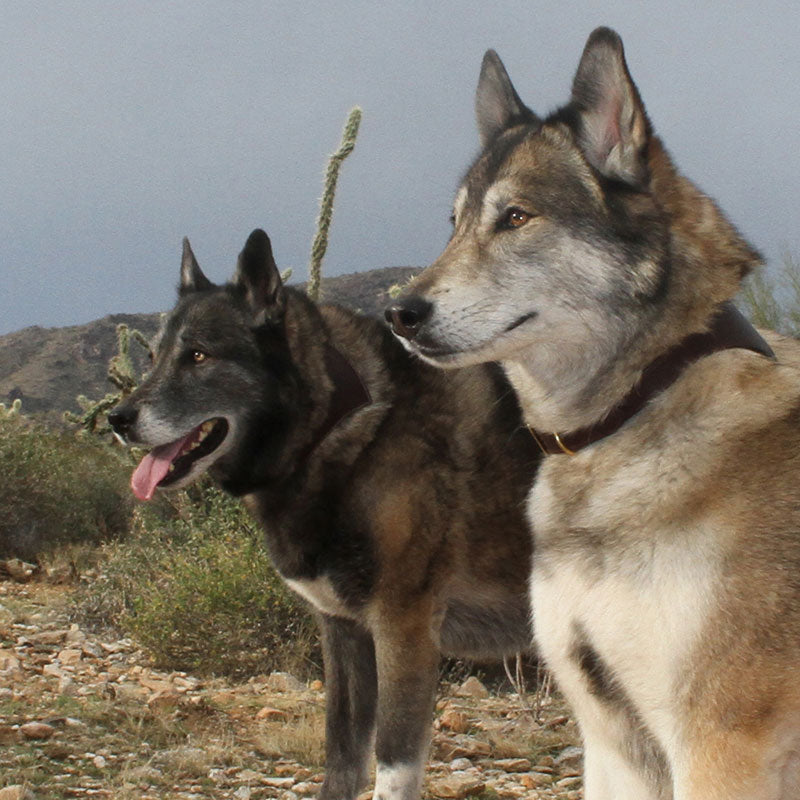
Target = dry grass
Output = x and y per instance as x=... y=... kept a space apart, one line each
x=208 y=743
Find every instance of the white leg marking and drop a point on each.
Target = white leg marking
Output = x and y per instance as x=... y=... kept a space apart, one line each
x=397 y=781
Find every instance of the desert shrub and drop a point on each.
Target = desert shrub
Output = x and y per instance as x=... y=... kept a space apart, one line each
x=197 y=590
x=775 y=303
x=57 y=488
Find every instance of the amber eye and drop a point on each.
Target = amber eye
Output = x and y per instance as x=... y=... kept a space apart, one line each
x=515 y=218
x=198 y=356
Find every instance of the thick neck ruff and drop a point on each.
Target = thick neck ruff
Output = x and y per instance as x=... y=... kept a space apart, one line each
x=348 y=396
x=729 y=330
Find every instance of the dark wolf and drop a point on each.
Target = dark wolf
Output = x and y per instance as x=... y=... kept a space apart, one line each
x=391 y=494
x=666 y=514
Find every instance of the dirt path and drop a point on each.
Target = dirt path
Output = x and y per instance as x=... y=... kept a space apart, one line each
x=86 y=716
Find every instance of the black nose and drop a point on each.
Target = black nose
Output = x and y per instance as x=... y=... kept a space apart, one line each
x=408 y=315
x=122 y=419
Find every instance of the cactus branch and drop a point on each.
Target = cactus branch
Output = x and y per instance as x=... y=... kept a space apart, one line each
x=320 y=244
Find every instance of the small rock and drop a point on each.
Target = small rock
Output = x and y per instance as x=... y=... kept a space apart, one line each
x=47 y=637
x=168 y=698
x=316 y=686
x=70 y=656
x=156 y=685
x=184 y=684
x=456 y=721
x=52 y=669
x=278 y=783
x=90 y=649
x=8 y=661
x=116 y=647
x=16 y=792
x=460 y=763
x=447 y=748
x=145 y=774
x=569 y=757
x=472 y=687
x=74 y=635
x=568 y=783
x=535 y=780
x=99 y=762
x=284 y=682
x=512 y=764
x=456 y=786
x=272 y=714
x=306 y=788
x=249 y=776
x=243 y=793
x=37 y=730
x=130 y=692
x=18 y=570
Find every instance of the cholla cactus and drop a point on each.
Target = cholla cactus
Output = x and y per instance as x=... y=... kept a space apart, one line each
x=320 y=244
x=121 y=374
x=14 y=410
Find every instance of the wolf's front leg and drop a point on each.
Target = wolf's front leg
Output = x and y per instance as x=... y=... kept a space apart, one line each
x=408 y=664
x=609 y=776
x=351 y=687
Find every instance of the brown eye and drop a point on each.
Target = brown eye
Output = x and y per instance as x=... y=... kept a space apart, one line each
x=198 y=356
x=515 y=218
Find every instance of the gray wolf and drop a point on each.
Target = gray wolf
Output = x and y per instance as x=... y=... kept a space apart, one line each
x=666 y=514
x=391 y=494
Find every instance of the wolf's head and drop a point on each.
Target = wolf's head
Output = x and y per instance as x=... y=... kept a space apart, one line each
x=569 y=232
x=223 y=387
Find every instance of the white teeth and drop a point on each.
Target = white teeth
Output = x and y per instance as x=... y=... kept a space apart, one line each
x=196 y=444
x=205 y=429
x=172 y=468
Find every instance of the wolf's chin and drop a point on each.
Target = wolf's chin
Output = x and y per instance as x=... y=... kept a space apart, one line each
x=499 y=346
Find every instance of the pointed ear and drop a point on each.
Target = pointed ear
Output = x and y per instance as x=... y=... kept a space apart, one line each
x=497 y=104
x=258 y=275
x=192 y=278
x=614 y=128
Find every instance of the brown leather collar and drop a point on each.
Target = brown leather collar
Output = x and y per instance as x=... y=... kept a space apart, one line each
x=729 y=329
x=349 y=395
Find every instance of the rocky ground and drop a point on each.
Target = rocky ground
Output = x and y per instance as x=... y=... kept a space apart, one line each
x=84 y=715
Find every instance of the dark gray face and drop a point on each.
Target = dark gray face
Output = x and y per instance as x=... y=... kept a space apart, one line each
x=219 y=371
x=555 y=238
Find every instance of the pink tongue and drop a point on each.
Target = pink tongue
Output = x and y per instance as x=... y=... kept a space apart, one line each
x=154 y=466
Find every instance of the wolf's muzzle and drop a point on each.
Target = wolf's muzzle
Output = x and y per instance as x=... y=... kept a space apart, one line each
x=407 y=315
x=122 y=419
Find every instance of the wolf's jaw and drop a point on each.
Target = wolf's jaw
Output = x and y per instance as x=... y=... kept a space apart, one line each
x=502 y=344
x=173 y=464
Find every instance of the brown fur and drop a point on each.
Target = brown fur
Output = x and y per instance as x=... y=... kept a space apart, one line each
x=402 y=524
x=666 y=581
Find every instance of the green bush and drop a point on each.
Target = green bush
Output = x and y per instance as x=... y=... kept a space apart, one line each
x=775 y=304
x=56 y=488
x=199 y=593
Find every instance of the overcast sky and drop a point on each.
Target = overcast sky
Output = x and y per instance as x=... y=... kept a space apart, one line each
x=126 y=126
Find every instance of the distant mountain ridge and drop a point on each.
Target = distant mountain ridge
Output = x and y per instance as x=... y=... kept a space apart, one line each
x=47 y=368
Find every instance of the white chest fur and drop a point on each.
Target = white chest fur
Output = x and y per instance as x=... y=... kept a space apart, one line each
x=637 y=587
x=321 y=594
